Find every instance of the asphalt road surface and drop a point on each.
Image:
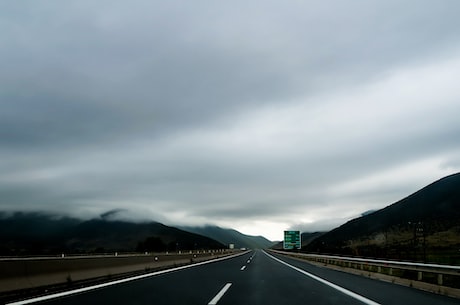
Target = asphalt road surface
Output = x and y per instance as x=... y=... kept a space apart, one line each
x=255 y=277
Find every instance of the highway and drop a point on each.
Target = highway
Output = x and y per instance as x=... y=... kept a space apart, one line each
x=255 y=277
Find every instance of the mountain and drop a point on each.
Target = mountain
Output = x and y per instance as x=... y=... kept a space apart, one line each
x=306 y=238
x=35 y=233
x=424 y=226
x=230 y=236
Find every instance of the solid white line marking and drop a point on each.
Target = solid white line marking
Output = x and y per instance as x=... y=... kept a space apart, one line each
x=337 y=287
x=89 y=288
x=242 y=268
x=220 y=294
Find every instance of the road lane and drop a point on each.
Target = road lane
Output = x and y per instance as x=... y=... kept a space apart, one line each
x=268 y=282
x=380 y=291
x=192 y=285
x=326 y=282
x=254 y=278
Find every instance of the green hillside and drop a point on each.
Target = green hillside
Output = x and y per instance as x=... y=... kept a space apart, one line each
x=424 y=226
x=35 y=233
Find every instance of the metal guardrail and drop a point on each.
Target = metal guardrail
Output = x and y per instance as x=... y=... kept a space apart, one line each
x=112 y=254
x=437 y=274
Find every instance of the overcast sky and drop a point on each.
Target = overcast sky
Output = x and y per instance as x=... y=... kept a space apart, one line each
x=256 y=115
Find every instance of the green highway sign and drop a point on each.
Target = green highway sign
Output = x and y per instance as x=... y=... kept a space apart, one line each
x=292 y=240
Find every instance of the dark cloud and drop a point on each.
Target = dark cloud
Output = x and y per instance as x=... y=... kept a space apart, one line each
x=256 y=115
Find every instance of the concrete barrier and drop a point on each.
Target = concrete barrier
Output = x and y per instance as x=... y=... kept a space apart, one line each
x=27 y=273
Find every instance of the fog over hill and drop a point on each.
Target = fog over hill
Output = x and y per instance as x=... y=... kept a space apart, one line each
x=36 y=233
x=230 y=236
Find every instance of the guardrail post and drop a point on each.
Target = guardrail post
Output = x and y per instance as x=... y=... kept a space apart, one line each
x=390 y=272
x=379 y=269
x=440 y=279
x=419 y=276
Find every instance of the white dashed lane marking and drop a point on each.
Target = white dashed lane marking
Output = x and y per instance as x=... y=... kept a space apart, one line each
x=220 y=294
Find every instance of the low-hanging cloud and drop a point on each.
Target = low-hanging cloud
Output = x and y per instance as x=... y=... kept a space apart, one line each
x=261 y=116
